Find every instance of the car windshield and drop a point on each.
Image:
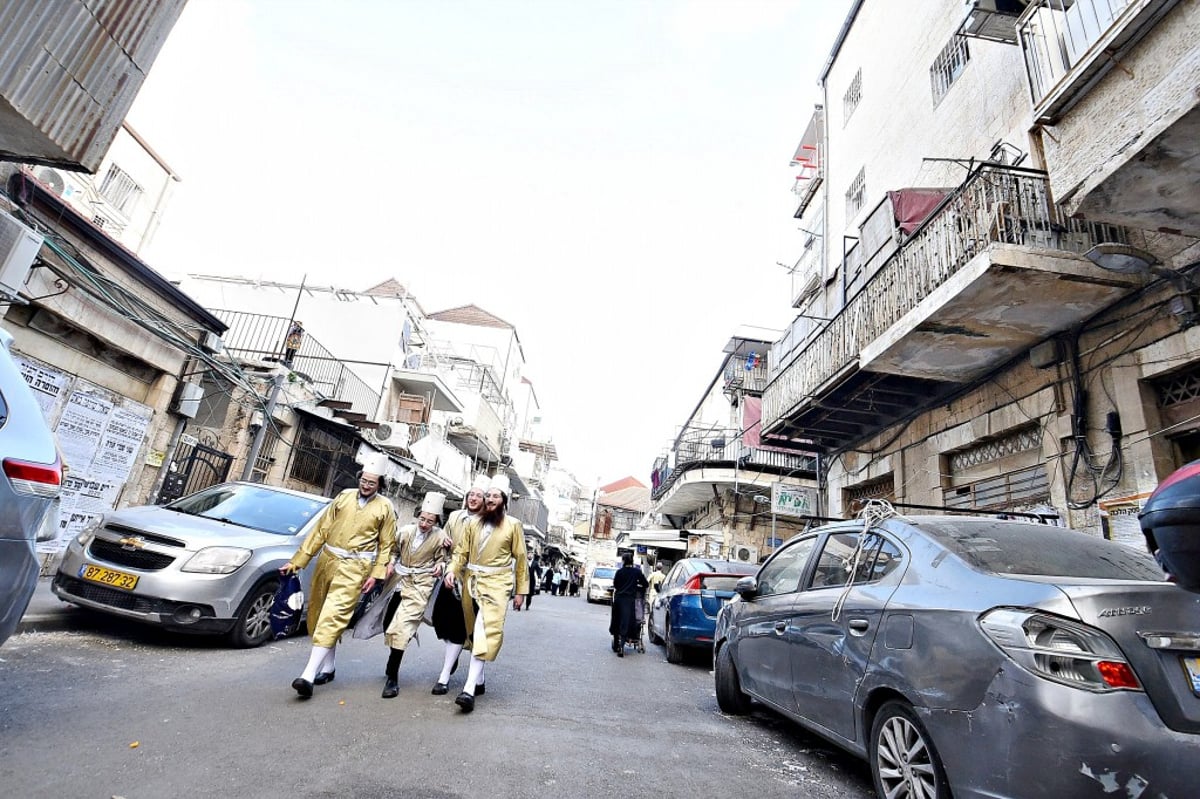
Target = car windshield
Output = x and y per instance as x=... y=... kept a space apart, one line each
x=723 y=566
x=1006 y=547
x=604 y=574
x=257 y=507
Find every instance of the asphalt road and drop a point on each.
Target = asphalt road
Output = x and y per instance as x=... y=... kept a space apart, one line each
x=107 y=709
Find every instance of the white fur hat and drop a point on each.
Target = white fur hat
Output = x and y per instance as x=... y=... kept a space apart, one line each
x=376 y=463
x=500 y=483
x=433 y=503
x=481 y=482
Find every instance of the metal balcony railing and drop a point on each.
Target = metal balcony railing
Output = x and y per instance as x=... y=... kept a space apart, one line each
x=717 y=446
x=260 y=337
x=1059 y=38
x=752 y=380
x=1005 y=205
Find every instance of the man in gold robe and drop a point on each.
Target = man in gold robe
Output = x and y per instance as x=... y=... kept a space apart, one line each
x=450 y=612
x=488 y=559
x=422 y=552
x=353 y=543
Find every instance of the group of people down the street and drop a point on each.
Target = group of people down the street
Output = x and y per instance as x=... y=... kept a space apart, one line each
x=559 y=579
x=458 y=578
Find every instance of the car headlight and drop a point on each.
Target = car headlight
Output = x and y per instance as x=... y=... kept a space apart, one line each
x=89 y=531
x=1061 y=650
x=217 y=560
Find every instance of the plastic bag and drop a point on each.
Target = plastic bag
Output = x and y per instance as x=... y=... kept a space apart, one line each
x=288 y=607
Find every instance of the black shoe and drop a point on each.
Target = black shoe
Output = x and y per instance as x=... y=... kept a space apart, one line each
x=480 y=689
x=439 y=689
x=303 y=687
x=390 y=689
x=324 y=677
x=621 y=652
x=615 y=644
x=465 y=701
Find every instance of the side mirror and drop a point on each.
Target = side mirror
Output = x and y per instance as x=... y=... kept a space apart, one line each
x=747 y=587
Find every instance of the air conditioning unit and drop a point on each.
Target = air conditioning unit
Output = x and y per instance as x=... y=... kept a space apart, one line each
x=18 y=250
x=187 y=401
x=745 y=554
x=211 y=342
x=391 y=434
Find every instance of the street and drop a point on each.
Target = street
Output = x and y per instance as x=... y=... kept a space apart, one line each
x=109 y=709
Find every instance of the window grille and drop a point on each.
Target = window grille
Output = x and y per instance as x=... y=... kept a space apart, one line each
x=856 y=195
x=948 y=65
x=99 y=221
x=851 y=98
x=266 y=456
x=1179 y=388
x=120 y=189
x=855 y=497
x=1013 y=491
x=315 y=453
x=1022 y=440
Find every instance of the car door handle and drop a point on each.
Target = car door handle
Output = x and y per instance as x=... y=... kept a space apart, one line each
x=858 y=626
x=780 y=626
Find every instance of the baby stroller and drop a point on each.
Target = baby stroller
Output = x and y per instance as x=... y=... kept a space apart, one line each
x=635 y=640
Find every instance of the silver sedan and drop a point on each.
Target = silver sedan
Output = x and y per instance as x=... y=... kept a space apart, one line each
x=206 y=563
x=976 y=656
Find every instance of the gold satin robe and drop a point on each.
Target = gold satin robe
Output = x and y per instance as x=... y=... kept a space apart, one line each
x=503 y=552
x=415 y=589
x=337 y=582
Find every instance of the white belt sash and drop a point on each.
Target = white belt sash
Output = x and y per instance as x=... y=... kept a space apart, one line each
x=346 y=554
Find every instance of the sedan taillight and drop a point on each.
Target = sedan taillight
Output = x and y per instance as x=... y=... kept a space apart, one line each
x=693 y=585
x=34 y=479
x=1059 y=649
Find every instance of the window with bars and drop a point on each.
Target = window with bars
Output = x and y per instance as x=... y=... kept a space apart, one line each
x=851 y=98
x=120 y=189
x=855 y=497
x=266 y=456
x=856 y=195
x=316 y=451
x=948 y=65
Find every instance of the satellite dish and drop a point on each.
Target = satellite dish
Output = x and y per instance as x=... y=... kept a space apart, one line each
x=383 y=432
x=52 y=179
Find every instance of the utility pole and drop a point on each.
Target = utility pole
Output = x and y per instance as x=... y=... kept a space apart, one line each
x=276 y=386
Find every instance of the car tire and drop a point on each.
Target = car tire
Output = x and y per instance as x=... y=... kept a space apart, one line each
x=904 y=761
x=253 y=624
x=730 y=697
x=674 y=650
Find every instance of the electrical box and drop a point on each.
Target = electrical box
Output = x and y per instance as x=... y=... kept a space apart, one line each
x=211 y=342
x=18 y=250
x=187 y=402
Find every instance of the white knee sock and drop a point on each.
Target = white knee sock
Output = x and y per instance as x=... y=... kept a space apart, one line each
x=330 y=661
x=315 y=659
x=452 y=653
x=473 y=675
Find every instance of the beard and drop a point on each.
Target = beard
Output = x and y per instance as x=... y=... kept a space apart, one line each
x=493 y=516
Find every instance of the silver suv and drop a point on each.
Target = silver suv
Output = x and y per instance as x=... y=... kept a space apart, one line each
x=29 y=489
x=206 y=563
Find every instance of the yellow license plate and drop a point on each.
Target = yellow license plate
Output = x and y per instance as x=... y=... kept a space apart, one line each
x=1192 y=667
x=99 y=574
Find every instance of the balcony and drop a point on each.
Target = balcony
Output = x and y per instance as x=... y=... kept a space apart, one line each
x=260 y=337
x=992 y=271
x=1069 y=45
x=705 y=457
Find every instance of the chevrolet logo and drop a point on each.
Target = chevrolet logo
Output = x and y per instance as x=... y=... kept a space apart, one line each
x=133 y=543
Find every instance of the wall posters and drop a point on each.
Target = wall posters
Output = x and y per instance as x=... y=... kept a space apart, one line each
x=100 y=434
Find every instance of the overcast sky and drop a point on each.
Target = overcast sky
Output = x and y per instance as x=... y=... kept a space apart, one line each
x=610 y=177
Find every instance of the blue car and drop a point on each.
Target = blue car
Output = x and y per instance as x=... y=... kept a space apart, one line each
x=684 y=613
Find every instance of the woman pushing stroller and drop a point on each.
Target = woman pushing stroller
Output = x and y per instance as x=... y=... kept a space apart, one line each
x=629 y=586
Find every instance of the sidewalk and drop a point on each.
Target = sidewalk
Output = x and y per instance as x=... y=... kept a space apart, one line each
x=46 y=612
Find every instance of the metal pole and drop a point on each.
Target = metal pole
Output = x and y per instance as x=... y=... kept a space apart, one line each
x=260 y=436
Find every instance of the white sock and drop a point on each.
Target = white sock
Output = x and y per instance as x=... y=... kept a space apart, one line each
x=330 y=661
x=452 y=653
x=315 y=659
x=473 y=675
x=482 y=677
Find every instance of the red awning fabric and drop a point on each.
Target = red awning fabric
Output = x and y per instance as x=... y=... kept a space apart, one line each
x=912 y=206
x=752 y=426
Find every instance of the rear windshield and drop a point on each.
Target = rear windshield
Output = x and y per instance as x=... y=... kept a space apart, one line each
x=604 y=574
x=256 y=507
x=1005 y=547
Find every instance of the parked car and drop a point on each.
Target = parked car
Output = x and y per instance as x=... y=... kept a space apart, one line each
x=29 y=489
x=599 y=584
x=974 y=656
x=206 y=563
x=684 y=613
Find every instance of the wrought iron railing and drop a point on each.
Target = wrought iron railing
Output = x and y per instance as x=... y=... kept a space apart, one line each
x=260 y=337
x=698 y=446
x=996 y=204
